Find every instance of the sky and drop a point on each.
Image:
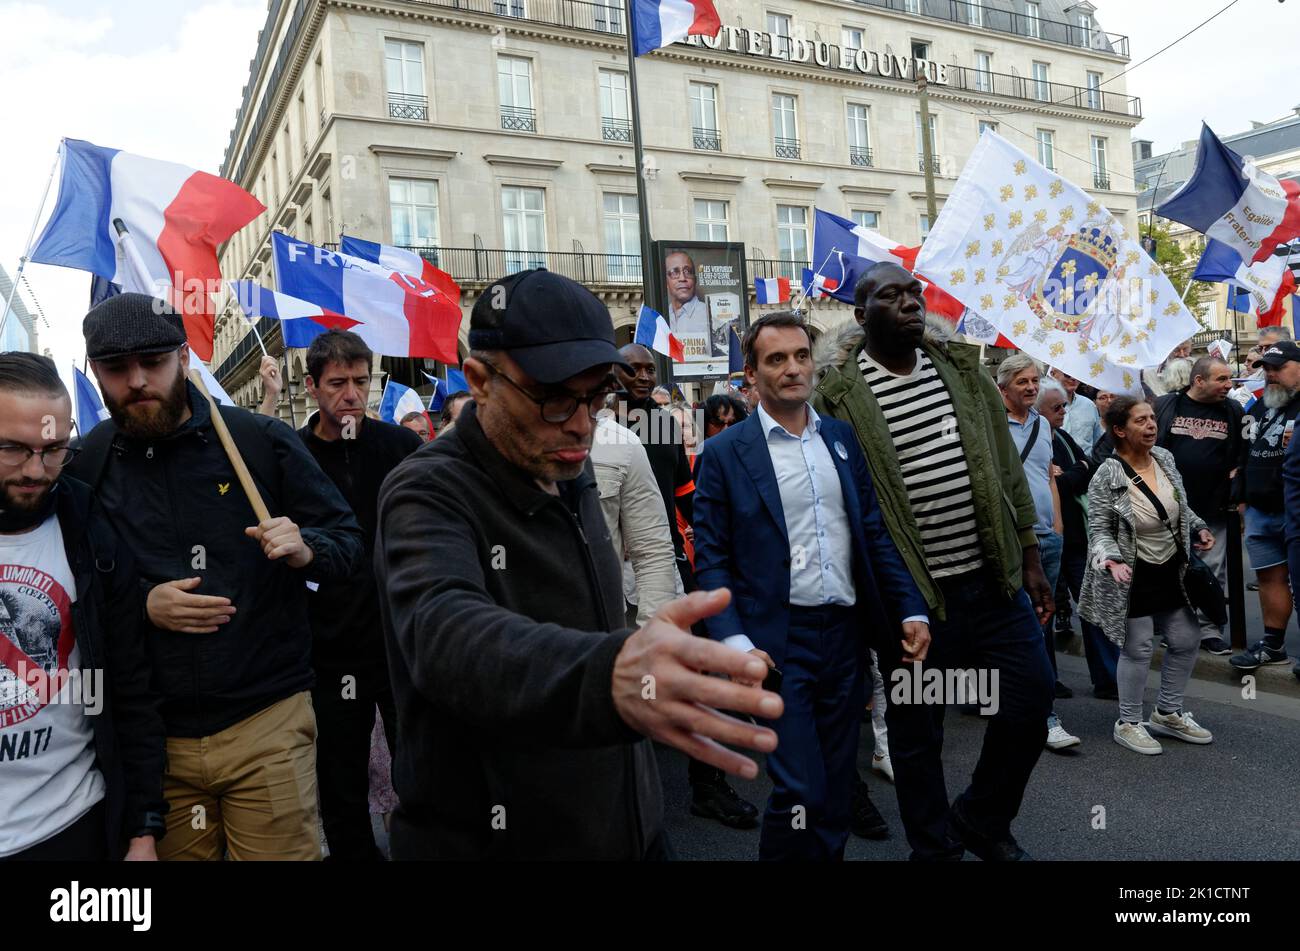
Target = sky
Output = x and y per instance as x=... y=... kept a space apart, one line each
x=163 y=78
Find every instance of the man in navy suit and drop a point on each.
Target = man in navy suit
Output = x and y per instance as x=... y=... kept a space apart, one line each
x=786 y=517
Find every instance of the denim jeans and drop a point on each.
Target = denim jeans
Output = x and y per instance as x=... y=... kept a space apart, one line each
x=983 y=629
x=1050 y=546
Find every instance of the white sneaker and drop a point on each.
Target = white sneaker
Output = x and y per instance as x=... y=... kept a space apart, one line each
x=1135 y=737
x=1058 y=738
x=883 y=766
x=1180 y=726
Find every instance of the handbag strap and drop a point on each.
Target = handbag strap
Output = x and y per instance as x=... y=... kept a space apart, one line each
x=1145 y=489
x=1033 y=438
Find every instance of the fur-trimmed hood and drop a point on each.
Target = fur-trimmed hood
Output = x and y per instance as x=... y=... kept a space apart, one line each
x=837 y=344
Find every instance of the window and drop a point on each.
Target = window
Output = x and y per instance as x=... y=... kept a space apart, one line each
x=778 y=24
x=785 y=126
x=1047 y=148
x=1087 y=27
x=509 y=8
x=984 y=72
x=1100 y=177
x=704 y=117
x=1042 y=85
x=302 y=122
x=920 y=145
x=987 y=126
x=859 y=134
x=851 y=39
x=710 y=220
x=413 y=204
x=404 y=65
x=327 y=207
x=1094 y=90
x=920 y=50
x=609 y=15
x=1033 y=21
x=320 y=92
x=924 y=221
x=975 y=12
x=911 y=6
x=867 y=219
x=792 y=238
x=615 y=124
x=523 y=214
x=515 y=85
x=622 y=238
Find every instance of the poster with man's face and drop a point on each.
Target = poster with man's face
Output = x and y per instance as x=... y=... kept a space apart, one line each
x=704 y=300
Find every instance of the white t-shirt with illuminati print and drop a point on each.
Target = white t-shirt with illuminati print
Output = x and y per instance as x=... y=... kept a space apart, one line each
x=48 y=777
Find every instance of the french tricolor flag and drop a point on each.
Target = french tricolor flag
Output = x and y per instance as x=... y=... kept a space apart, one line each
x=301 y=322
x=660 y=23
x=397 y=401
x=652 y=331
x=401 y=261
x=817 y=285
x=1239 y=205
x=176 y=218
x=400 y=315
x=772 y=290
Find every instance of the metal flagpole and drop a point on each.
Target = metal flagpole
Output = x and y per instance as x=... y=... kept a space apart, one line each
x=803 y=291
x=662 y=363
x=31 y=236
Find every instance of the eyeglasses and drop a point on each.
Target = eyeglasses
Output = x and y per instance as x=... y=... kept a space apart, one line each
x=54 y=457
x=560 y=407
x=682 y=271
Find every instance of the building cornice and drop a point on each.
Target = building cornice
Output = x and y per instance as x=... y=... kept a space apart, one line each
x=445 y=155
x=532 y=161
x=868 y=190
x=713 y=178
x=596 y=168
x=802 y=184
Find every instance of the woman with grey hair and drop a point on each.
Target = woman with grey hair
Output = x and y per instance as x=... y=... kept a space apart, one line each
x=1177 y=375
x=1141 y=531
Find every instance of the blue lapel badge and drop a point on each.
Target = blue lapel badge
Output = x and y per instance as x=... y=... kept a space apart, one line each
x=841 y=451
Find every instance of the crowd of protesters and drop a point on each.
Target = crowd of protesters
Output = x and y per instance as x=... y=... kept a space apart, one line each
x=481 y=628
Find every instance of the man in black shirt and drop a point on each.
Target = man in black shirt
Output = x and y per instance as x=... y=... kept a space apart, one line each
x=1258 y=490
x=711 y=794
x=347 y=640
x=1201 y=426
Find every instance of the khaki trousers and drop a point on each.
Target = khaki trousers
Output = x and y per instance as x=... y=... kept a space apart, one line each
x=249 y=790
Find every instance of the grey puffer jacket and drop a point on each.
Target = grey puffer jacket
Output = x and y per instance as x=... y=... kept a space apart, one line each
x=1103 y=600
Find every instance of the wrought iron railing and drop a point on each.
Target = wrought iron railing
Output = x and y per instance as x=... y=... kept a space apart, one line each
x=936 y=164
x=616 y=130
x=407 y=106
x=860 y=155
x=707 y=140
x=1101 y=182
x=786 y=148
x=518 y=119
x=1036 y=90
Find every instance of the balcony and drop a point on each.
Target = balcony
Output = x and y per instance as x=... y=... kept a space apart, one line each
x=785 y=148
x=1101 y=182
x=616 y=130
x=1057 y=94
x=707 y=140
x=405 y=106
x=860 y=155
x=936 y=164
x=518 y=119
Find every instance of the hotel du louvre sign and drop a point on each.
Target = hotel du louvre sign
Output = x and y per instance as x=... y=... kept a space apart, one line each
x=737 y=39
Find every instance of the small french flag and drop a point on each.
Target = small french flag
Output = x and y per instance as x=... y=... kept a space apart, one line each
x=772 y=290
x=660 y=23
x=1256 y=388
x=652 y=331
x=397 y=401
x=300 y=322
x=818 y=285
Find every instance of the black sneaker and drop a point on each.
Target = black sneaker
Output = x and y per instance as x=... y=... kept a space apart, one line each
x=986 y=848
x=1259 y=655
x=719 y=801
x=1216 y=645
x=867 y=820
x=1063 y=692
x=1252 y=585
x=1109 y=692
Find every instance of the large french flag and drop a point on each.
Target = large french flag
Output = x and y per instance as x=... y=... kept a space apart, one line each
x=652 y=331
x=398 y=315
x=1248 y=210
x=400 y=260
x=1265 y=285
x=858 y=248
x=176 y=217
x=301 y=321
x=660 y=23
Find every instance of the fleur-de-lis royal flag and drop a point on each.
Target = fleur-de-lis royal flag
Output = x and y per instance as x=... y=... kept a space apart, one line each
x=1053 y=270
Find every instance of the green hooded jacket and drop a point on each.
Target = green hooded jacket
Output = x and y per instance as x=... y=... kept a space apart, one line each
x=1004 y=509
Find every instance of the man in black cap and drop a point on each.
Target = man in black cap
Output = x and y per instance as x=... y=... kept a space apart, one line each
x=1267 y=430
x=523 y=700
x=226 y=596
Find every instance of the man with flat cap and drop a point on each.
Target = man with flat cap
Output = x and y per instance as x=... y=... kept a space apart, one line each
x=225 y=595
x=524 y=702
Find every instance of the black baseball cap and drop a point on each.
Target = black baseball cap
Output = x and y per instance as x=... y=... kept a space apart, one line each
x=131 y=323
x=550 y=325
x=1278 y=354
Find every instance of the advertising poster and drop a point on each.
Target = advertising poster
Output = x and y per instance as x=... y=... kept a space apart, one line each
x=704 y=293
